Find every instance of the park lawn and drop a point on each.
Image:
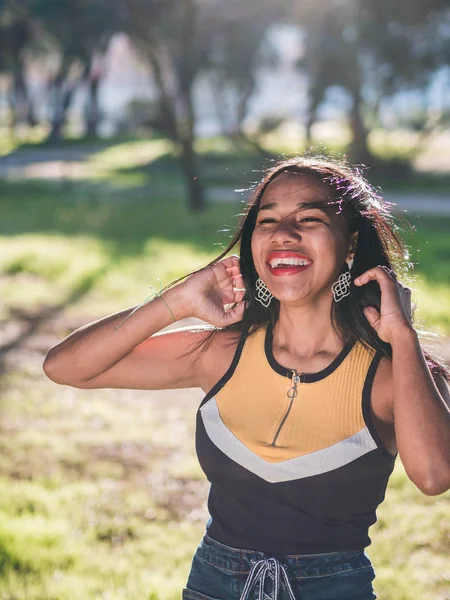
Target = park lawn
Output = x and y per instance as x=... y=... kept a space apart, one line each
x=101 y=494
x=91 y=249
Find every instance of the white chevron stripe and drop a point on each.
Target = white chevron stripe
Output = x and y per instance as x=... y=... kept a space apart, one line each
x=315 y=463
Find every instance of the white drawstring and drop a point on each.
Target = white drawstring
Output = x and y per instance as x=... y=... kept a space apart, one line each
x=266 y=567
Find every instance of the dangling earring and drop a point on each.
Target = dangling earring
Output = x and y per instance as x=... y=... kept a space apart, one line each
x=341 y=287
x=262 y=293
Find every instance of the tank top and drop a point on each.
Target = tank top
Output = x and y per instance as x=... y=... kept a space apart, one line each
x=294 y=461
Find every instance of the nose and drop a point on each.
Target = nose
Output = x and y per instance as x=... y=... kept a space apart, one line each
x=286 y=230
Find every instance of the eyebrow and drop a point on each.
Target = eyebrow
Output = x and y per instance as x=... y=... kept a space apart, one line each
x=303 y=205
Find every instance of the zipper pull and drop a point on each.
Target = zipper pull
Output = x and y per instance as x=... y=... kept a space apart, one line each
x=296 y=379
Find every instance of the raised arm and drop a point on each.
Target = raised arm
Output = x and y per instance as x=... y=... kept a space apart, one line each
x=136 y=356
x=420 y=402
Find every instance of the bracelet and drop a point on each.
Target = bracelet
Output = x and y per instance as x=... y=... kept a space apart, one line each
x=161 y=298
x=158 y=295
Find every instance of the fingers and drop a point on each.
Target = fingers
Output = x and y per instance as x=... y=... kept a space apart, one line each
x=389 y=271
x=381 y=274
x=238 y=283
x=231 y=261
x=232 y=266
x=234 y=314
x=384 y=276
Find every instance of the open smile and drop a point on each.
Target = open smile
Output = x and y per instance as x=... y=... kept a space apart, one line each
x=287 y=269
x=287 y=263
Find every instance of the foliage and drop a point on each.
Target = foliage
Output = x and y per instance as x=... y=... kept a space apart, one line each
x=372 y=50
x=241 y=48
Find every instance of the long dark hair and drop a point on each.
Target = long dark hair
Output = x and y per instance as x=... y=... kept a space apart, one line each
x=378 y=244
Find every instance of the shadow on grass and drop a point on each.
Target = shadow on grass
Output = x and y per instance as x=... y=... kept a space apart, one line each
x=124 y=218
x=31 y=321
x=30 y=154
x=9 y=561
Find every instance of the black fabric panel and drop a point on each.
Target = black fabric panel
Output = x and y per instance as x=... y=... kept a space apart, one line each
x=322 y=513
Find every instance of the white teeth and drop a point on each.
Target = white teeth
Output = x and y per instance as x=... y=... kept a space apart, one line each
x=288 y=261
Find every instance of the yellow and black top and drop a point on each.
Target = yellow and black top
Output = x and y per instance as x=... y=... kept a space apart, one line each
x=295 y=463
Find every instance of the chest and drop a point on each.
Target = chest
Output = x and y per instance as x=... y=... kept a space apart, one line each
x=291 y=423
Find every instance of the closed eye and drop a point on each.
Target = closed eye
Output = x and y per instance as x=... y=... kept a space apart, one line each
x=304 y=219
x=312 y=219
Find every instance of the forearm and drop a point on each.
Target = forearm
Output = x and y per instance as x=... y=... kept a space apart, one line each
x=421 y=417
x=94 y=348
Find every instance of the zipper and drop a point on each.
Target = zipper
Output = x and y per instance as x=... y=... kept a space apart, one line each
x=292 y=392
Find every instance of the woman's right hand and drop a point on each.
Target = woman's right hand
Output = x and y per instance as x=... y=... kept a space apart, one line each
x=209 y=290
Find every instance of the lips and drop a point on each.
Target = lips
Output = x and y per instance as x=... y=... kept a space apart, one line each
x=285 y=254
x=287 y=269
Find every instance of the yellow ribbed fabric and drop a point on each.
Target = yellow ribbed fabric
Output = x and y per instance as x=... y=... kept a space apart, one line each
x=323 y=413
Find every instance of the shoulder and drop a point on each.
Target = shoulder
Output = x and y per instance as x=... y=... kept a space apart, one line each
x=217 y=356
x=193 y=337
x=383 y=387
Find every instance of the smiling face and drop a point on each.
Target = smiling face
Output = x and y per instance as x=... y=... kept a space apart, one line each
x=296 y=223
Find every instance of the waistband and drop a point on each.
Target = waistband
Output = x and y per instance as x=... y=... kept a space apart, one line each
x=277 y=571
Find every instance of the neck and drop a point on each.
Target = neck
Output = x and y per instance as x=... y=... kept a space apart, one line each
x=309 y=323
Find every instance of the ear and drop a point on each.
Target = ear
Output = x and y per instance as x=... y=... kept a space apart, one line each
x=353 y=245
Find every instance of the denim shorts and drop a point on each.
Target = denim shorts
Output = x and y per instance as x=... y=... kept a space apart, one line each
x=219 y=572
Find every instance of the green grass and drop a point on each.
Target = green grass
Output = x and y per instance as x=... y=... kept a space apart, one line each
x=429 y=254
x=101 y=495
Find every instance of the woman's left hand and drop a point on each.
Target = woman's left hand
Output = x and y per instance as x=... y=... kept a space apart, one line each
x=395 y=309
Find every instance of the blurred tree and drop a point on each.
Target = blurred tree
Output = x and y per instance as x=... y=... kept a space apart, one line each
x=240 y=48
x=184 y=39
x=372 y=50
x=332 y=44
x=170 y=35
x=80 y=31
x=409 y=43
x=16 y=35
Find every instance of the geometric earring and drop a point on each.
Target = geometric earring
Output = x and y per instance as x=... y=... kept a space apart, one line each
x=341 y=287
x=263 y=295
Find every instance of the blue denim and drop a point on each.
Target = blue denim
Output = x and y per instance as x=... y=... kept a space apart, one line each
x=219 y=572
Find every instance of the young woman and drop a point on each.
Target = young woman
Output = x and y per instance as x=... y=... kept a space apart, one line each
x=314 y=380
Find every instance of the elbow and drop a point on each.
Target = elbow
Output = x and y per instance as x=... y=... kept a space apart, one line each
x=434 y=486
x=56 y=374
x=53 y=371
x=430 y=476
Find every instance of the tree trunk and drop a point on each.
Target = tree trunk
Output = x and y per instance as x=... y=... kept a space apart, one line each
x=62 y=92
x=92 y=108
x=61 y=103
x=189 y=164
x=186 y=136
x=359 y=149
x=316 y=94
x=311 y=119
x=23 y=105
